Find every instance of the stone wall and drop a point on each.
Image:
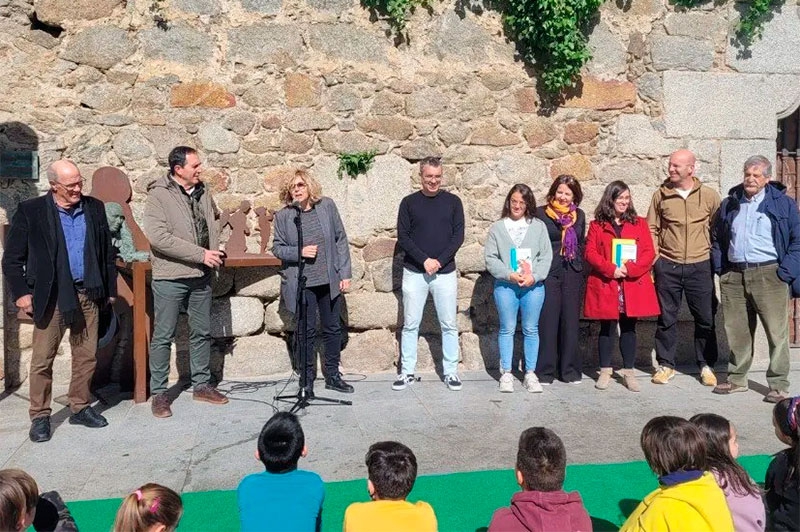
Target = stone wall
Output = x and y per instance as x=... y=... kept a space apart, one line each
x=260 y=86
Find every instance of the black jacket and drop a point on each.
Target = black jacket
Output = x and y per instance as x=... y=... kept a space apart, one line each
x=782 y=493
x=29 y=259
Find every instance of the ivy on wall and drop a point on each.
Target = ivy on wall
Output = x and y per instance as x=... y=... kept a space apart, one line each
x=553 y=34
x=751 y=22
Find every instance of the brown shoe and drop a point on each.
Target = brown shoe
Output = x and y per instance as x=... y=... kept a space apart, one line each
x=208 y=394
x=160 y=405
x=727 y=388
x=775 y=396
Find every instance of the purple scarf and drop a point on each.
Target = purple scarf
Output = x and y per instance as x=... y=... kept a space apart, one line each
x=566 y=220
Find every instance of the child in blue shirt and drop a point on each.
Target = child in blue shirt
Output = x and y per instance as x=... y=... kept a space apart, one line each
x=283 y=497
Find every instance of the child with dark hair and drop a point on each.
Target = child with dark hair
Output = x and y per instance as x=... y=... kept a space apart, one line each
x=151 y=508
x=282 y=497
x=741 y=492
x=392 y=470
x=542 y=504
x=783 y=475
x=688 y=497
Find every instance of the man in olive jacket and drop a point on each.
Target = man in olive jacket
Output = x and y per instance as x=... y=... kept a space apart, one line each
x=180 y=220
x=680 y=217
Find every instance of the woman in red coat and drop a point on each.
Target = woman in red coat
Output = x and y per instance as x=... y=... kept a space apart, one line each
x=619 y=293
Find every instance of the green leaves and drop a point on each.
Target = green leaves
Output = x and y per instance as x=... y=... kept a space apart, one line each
x=395 y=11
x=551 y=35
x=353 y=164
x=751 y=23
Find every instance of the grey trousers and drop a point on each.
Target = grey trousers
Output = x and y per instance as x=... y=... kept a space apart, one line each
x=169 y=296
x=756 y=292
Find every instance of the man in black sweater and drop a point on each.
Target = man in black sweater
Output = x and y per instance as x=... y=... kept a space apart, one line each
x=430 y=229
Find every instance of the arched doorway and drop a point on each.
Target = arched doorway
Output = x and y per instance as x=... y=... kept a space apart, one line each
x=787 y=166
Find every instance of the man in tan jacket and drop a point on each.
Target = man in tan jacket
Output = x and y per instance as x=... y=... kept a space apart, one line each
x=180 y=220
x=680 y=218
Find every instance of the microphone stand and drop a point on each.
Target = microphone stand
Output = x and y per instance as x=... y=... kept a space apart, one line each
x=302 y=398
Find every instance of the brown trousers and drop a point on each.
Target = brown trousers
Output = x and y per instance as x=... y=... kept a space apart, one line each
x=83 y=343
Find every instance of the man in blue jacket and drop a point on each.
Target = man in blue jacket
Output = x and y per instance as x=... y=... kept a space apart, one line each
x=756 y=253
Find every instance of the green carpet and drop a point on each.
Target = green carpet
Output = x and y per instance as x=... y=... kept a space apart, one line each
x=462 y=501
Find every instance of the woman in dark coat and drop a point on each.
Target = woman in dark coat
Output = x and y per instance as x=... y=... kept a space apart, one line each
x=559 y=321
x=619 y=291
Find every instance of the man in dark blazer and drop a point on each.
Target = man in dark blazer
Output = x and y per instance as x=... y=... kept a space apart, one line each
x=59 y=266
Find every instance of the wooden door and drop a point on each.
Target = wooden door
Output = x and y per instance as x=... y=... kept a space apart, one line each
x=787 y=163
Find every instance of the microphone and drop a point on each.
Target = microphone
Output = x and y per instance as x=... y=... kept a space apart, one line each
x=295 y=205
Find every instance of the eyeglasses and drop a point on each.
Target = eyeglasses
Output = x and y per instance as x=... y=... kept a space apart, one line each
x=297 y=185
x=73 y=186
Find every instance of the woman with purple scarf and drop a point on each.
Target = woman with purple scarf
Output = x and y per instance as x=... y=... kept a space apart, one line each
x=563 y=287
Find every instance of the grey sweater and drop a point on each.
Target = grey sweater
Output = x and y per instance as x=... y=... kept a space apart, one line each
x=499 y=244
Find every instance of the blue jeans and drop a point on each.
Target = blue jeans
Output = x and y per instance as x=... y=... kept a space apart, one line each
x=510 y=298
x=443 y=287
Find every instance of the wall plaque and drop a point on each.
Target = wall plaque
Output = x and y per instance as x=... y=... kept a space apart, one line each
x=19 y=165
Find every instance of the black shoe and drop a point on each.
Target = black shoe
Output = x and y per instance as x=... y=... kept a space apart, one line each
x=337 y=384
x=88 y=418
x=309 y=392
x=40 y=429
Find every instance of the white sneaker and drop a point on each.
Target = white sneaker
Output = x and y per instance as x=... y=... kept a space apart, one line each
x=531 y=383
x=453 y=382
x=402 y=381
x=507 y=382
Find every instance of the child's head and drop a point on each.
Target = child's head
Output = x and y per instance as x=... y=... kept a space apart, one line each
x=541 y=460
x=722 y=449
x=673 y=444
x=151 y=508
x=392 y=470
x=281 y=443
x=18 y=497
x=786 y=420
x=720 y=435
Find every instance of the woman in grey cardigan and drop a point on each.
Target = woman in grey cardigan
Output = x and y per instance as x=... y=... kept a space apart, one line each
x=518 y=255
x=326 y=255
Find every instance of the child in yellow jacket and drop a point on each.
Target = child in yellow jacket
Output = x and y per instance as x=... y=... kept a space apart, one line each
x=688 y=497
